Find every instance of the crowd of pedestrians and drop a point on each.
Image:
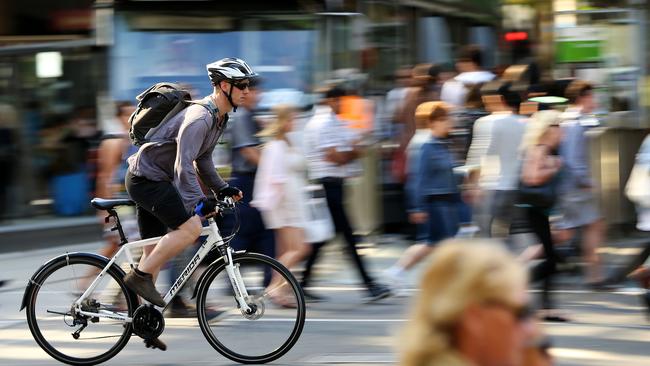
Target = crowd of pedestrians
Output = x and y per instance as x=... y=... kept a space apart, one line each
x=494 y=159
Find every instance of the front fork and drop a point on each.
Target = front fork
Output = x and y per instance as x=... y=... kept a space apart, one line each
x=238 y=286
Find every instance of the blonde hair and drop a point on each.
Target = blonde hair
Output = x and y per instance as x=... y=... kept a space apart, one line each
x=461 y=273
x=277 y=128
x=430 y=111
x=539 y=123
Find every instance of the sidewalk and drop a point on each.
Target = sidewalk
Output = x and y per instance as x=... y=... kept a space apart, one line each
x=48 y=231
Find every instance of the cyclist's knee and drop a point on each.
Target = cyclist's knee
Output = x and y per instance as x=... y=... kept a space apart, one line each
x=191 y=228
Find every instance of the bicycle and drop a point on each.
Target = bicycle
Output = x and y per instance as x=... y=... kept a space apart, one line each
x=105 y=314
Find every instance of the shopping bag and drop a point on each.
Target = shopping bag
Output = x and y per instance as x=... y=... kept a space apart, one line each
x=319 y=226
x=637 y=188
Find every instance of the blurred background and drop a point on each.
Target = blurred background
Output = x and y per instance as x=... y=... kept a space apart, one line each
x=64 y=64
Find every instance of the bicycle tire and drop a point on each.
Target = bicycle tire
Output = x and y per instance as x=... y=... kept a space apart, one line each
x=58 y=264
x=202 y=293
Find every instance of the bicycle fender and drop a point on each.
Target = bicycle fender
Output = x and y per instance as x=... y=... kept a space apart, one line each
x=216 y=263
x=35 y=278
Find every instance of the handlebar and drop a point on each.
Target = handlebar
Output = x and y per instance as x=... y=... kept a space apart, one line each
x=227 y=204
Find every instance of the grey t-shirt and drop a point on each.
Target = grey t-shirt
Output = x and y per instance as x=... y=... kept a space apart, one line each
x=243 y=135
x=181 y=152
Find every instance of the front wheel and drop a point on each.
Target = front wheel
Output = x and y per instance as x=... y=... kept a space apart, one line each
x=275 y=322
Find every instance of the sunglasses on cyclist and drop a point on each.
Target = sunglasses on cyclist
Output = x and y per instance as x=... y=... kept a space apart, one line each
x=241 y=86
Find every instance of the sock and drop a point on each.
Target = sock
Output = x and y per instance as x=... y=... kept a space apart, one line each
x=139 y=272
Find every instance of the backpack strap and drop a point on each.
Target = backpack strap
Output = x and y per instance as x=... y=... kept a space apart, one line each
x=214 y=111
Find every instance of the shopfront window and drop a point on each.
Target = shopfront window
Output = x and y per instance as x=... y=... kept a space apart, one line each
x=141 y=57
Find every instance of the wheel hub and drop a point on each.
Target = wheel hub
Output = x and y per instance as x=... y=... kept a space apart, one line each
x=257 y=308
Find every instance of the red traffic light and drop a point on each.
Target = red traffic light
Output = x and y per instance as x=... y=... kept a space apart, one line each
x=515 y=36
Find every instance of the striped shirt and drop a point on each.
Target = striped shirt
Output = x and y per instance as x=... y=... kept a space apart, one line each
x=324 y=131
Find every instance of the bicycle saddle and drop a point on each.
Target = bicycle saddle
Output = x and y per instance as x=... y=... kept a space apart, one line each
x=104 y=204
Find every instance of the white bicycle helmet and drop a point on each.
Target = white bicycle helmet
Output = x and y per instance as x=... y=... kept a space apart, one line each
x=229 y=68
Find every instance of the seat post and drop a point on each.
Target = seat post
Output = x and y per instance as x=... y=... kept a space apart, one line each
x=118 y=225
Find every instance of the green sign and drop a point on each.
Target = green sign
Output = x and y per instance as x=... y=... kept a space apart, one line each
x=578 y=44
x=578 y=51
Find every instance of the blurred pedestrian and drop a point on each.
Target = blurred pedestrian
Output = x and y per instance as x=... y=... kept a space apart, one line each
x=395 y=100
x=540 y=179
x=279 y=193
x=469 y=65
x=328 y=153
x=425 y=88
x=112 y=155
x=464 y=120
x=473 y=309
x=507 y=133
x=432 y=189
x=8 y=154
x=460 y=140
x=483 y=177
x=578 y=203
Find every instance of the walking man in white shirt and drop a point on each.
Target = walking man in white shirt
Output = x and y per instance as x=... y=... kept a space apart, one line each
x=327 y=155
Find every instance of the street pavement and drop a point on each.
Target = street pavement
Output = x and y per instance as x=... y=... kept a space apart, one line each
x=608 y=328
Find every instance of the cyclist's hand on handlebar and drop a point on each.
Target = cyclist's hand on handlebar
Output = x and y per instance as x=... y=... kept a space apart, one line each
x=206 y=208
x=232 y=192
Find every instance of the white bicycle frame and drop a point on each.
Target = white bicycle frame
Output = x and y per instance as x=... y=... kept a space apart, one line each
x=213 y=240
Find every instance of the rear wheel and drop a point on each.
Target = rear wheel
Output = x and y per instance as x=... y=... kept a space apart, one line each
x=277 y=317
x=63 y=333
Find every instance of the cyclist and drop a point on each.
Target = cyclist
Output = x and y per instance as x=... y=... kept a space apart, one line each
x=163 y=177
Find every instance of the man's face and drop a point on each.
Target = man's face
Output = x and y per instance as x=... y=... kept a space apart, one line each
x=240 y=90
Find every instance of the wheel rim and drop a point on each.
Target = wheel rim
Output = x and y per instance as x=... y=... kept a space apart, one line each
x=260 y=337
x=59 y=287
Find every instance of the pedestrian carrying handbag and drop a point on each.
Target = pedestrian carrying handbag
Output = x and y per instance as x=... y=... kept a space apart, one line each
x=541 y=196
x=637 y=188
x=319 y=226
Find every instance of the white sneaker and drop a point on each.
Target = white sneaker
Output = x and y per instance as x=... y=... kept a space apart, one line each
x=396 y=283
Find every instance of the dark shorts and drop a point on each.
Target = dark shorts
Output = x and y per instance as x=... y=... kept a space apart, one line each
x=442 y=222
x=158 y=206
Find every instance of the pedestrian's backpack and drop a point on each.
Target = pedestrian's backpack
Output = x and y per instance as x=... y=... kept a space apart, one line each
x=156 y=106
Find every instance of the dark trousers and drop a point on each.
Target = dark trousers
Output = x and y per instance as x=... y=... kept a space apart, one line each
x=334 y=195
x=544 y=271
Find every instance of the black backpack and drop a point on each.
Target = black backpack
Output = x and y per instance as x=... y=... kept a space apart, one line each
x=156 y=106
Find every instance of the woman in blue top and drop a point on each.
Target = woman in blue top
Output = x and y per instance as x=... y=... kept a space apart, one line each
x=432 y=191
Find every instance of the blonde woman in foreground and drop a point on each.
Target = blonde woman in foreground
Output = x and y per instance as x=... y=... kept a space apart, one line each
x=279 y=194
x=473 y=309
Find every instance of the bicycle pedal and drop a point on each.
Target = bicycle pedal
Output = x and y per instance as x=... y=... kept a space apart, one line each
x=155 y=343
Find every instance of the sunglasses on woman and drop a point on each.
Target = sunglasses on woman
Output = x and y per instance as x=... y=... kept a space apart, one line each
x=521 y=313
